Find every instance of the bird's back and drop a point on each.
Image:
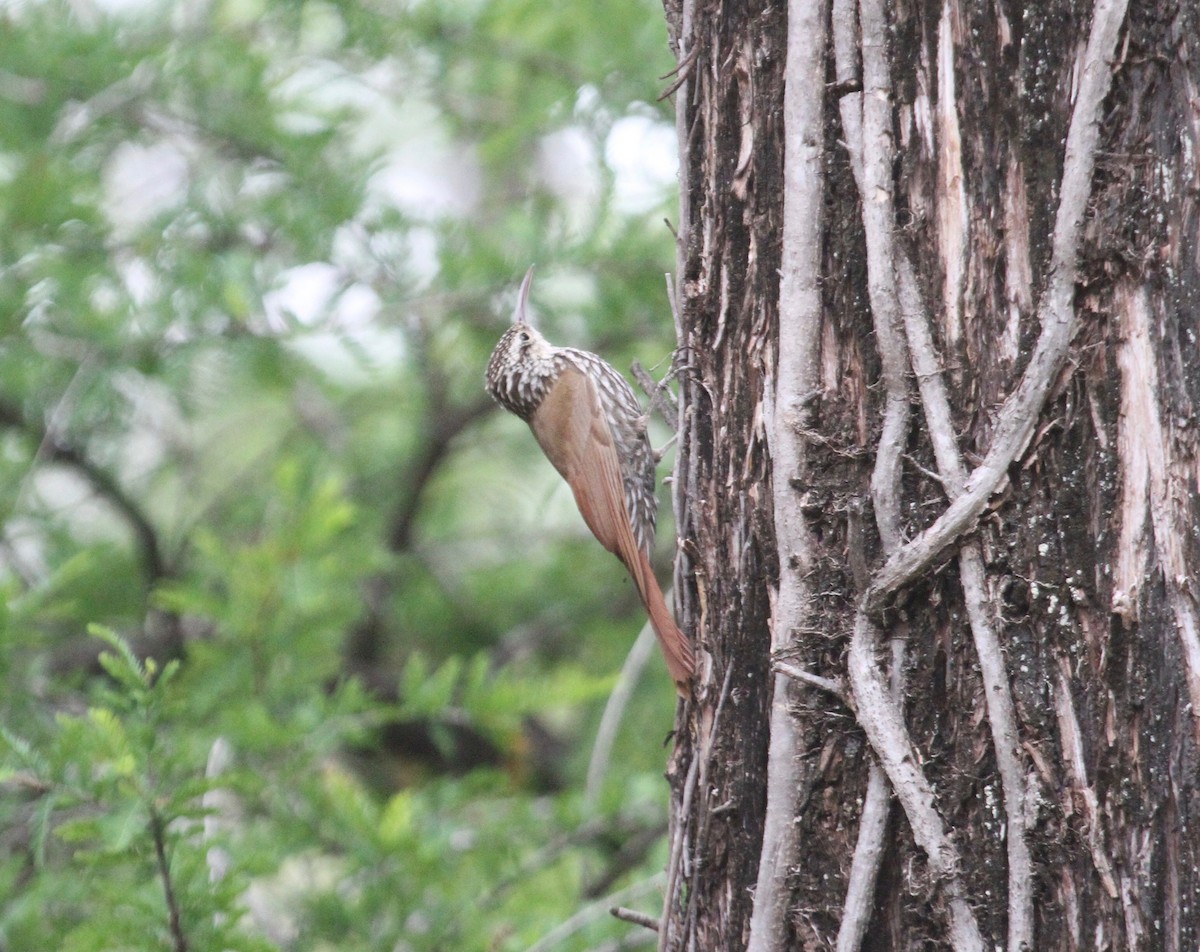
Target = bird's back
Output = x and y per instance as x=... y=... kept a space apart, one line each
x=628 y=425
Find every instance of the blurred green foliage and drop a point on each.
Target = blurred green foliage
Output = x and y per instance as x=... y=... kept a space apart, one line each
x=303 y=644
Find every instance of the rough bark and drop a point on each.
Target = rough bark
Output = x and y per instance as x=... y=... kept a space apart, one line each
x=731 y=128
x=1052 y=643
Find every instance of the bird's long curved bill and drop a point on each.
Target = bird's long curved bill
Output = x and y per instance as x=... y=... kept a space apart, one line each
x=519 y=315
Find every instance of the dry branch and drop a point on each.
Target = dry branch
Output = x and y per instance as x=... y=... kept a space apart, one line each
x=1002 y=715
x=885 y=729
x=1014 y=427
x=867 y=122
x=158 y=832
x=873 y=825
x=829 y=685
x=678 y=836
x=593 y=911
x=788 y=409
x=635 y=917
x=873 y=821
x=1056 y=312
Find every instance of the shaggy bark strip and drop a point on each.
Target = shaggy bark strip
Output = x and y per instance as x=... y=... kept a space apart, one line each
x=1152 y=481
x=1018 y=272
x=953 y=221
x=1082 y=790
x=797 y=375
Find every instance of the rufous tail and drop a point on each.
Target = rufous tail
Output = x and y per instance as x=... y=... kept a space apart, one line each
x=676 y=649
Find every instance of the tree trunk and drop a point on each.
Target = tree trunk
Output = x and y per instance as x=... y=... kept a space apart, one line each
x=939 y=476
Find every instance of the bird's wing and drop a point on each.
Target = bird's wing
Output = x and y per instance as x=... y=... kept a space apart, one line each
x=574 y=434
x=572 y=430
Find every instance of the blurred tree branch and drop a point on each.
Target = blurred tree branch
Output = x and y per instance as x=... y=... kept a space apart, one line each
x=442 y=427
x=53 y=448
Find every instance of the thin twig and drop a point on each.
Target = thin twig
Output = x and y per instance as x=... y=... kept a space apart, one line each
x=593 y=911
x=179 y=941
x=614 y=710
x=872 y=832
x=672 y=297
x=659 y=394
x=678 y=837
x=637 y=918
x=829 y=685
x=683 y=69
x=701 y=782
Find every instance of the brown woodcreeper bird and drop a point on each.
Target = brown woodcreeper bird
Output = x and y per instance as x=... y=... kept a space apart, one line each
x=589 y=424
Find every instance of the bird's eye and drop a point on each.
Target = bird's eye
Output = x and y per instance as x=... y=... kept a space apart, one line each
x=524 y=335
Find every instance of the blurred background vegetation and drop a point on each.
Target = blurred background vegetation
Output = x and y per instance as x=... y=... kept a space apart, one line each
x=303 y=644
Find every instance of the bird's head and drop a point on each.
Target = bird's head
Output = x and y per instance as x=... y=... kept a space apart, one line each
x=522 y=361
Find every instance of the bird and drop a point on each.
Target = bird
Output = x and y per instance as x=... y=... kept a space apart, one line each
x=589 y=424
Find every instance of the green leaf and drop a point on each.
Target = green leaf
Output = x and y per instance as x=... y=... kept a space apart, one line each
x=124 y=666
x=397 y=821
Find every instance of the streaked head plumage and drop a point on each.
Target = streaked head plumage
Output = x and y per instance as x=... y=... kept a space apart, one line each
x=522 y=363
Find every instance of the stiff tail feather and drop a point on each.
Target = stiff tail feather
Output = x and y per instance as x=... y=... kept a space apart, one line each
x=676 y=649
